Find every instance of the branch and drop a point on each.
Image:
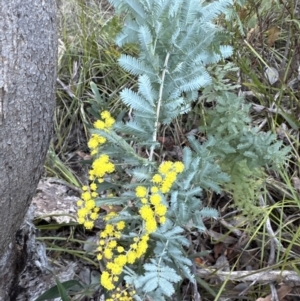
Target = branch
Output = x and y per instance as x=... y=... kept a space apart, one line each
x=159 y=104
x=260 y=276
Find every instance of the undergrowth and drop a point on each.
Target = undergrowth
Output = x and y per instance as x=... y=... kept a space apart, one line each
x=214 y=108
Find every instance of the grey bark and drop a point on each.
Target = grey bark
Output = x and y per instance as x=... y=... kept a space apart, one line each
x=28 y=55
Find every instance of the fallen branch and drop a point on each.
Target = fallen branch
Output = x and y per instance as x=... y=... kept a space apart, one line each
x=260 y=276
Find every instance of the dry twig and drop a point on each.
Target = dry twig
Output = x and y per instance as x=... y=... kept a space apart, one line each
x=261 y=276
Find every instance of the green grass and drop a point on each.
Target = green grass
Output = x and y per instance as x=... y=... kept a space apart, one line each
x=87 y=53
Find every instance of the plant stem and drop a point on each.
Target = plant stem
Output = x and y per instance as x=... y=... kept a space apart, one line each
x=156 y=125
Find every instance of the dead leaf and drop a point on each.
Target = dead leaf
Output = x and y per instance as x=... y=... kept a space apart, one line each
x=253 y=33
x=199 y=261
x=242 y=286
x=222 y=263
x=281 y=292
x=221 y=237
x=219 y=249
x=243 y=13
x=110 y=208
x=273 y=34
x=83 y=155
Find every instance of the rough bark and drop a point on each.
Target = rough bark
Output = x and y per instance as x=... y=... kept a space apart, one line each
x=28 y=50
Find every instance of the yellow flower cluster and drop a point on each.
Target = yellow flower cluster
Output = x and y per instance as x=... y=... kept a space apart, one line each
x=100 y=167
x=138 y=248
x=112 y=252
x=88 y=212
x=115 y=254
x=153 y=210
x=168 y=172
x=105 y=124
x=122 y=295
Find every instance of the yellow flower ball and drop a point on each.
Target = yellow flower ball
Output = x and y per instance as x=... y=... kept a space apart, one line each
x=79 y=203
x=120 y=249
x=112 y=244
x=144 y=200
x=105 y=114
x=93 y=142
x=86 y=196
x=165 y=167
x=99 y=125
x=120 y=225
x=131 y=257
x=82 y=212
x=88 y=225
x=179 y=166
x=146 y=212
x=151 y=225
x=109 y=122
x=154 y=189
x=121 y=260
x=94 y=216
x=93 y=187
x=141 y=191
x=157 y=178
x=108 y=253
x=155 y=199
x=161 y=209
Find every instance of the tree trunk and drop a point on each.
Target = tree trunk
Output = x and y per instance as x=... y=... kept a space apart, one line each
x=28 y=54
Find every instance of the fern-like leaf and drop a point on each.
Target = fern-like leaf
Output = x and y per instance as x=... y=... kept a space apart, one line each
x=135 y=66
x=146 y=90
x=136 y=102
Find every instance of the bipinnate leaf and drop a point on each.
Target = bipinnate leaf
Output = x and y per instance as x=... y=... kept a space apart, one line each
x=134 y=66
x=136 y=102
x=155 y=276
